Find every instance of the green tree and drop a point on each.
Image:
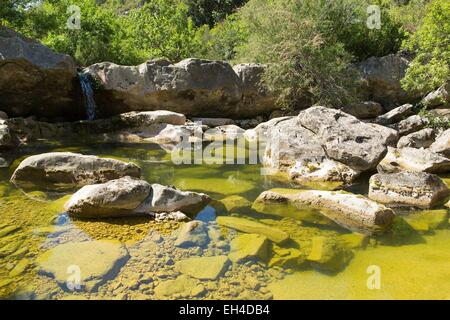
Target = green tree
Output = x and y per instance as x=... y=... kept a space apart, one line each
x=431 y=46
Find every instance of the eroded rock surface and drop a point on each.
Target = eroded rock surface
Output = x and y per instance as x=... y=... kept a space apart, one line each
x=415 y=189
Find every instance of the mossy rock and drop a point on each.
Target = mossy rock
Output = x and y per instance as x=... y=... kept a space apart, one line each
x=427 y=220
x=354 y=240
x=328 y=254
x=287 y=258
x=250 y=247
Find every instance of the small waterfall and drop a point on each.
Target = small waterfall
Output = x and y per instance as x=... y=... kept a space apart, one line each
x=88 y=95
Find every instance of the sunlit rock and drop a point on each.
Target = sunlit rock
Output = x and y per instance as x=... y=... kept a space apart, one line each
x=396 y=115
x=328 y=255
x=56 y=170
x=354 y=212
x=250 y=247
x=96 y=262
x=420 y=139
x=413 y=160
x=192 y=234
x=415 y=189
x=248 y=226
x=203 y=268
x=442 y=143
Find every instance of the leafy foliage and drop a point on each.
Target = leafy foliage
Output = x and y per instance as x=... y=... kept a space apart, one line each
x=431 y=45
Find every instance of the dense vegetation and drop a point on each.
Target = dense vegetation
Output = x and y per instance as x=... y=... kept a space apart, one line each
x=308 y=45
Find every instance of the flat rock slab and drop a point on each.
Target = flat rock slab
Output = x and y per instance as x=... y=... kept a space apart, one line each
x=248 y=226
x=97 y=261
x=203 y=268
x=250 y=247
x=442 y=143
x=354 y=212
x=328 y=255
x=414 y=189
x=413 y=160
x=62 y=170
x=111 y=199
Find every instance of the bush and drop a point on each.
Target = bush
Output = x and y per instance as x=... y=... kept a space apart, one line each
x=431 y=46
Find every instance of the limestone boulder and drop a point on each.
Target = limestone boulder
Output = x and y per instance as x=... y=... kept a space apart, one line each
x=438 y=98
x=413 y=189
x=413 y=160
x=354 y=212
x=34 y=80
x=411 y=124
x=62 y=170
x=346 y=139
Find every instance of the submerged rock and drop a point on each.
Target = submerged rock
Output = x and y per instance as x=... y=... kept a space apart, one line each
x=192 y=234
x=410 y=124
x=62 y=170
x=203 y=268
x=420 y=139
x=248 y=226
x=250 y=247
x=414 y=160
x=96 y=262
x=328 y=255
x=114 y=198
x=415 y=189
x=34 y=80
x=235 y=203
x=128 y=196
x=380 y=79
x=351 y=211
x=438 y=98
x=442 y=144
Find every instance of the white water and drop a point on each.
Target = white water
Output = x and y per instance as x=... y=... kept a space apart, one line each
x=88 y=94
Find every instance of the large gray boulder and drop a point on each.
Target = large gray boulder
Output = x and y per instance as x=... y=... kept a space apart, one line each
x=63 y=170
x=395 y=115
x=439 y=97
x=411 y=124
x=6 y=138
x=346 y=139
x=170 y=199
x=413 y=160
x=442 y=143
x=114 y=198
x=193 y=87
x=34 y=80
x=380 y=80
x=414 y=189
x=132 y=197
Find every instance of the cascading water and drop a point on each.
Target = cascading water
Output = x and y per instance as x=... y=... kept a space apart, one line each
x=88 y=95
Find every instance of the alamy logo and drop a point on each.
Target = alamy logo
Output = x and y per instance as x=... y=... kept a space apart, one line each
x=74 y=21
x=374 y=280
x=73 y=281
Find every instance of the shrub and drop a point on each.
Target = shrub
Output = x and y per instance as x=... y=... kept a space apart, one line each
x=431 y=45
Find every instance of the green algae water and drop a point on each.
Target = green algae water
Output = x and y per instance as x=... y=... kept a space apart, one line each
x=137 y=257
